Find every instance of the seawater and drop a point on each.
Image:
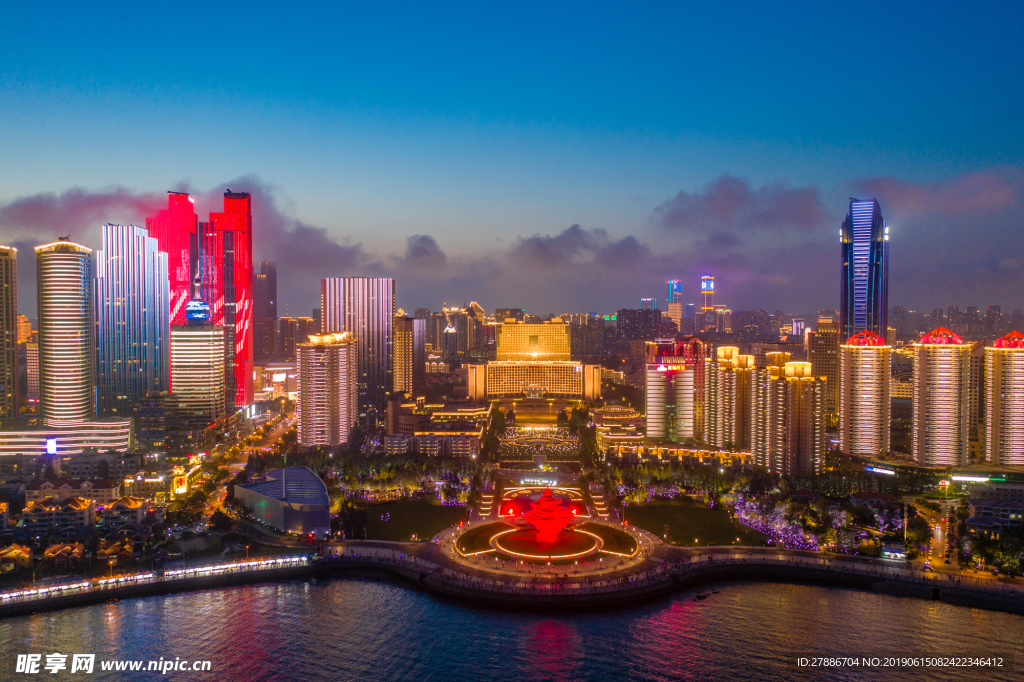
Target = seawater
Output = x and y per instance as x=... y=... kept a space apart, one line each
x=367 y=629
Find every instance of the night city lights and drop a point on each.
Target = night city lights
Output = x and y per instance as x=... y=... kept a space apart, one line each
x=512 y=341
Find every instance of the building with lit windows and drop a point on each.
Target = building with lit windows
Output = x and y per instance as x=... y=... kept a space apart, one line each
x=176 y=232
x=327 y=367
x=131 y=305
x=865 y=364
x=9 y=333
x=675 y=291
x=788 y=429
x=674 y=389
x=225 y=267
x=410 y=369
x=364 y=307
x=556 y=378
x=823 y=353
x=265 y=312
x=197 y=372
x=707 y=319
x=728 y=396
x=1004 y=401
x=941 y=380
x=864 y=303
x=535 y=342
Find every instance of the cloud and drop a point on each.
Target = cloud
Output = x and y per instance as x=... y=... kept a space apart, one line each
x=985 y=192
x=76 y=212
x=730 y=204
x=547 y=251
x=422 y=253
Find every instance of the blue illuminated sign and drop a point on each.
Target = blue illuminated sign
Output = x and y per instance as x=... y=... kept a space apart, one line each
x=197 y=310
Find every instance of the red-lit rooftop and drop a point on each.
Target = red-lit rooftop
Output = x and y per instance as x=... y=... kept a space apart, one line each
x=941 y=337
x=865 y=338
x=1013 y=340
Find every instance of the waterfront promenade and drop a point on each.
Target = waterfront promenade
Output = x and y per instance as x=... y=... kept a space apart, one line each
x=427 y=566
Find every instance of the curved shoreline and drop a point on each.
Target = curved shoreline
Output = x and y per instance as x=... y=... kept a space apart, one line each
x=535 y=594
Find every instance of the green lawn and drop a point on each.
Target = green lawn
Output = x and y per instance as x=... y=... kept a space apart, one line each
x=479 y=539
x=614 y=540
x=422 y=517
x=688 y=521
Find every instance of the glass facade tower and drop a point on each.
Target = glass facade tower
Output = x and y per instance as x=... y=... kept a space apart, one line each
x=9 y=332
x=132 y=319
x=865 y=283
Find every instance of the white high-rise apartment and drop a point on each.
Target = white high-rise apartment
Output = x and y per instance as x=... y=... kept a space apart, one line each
x=327 y=370
x=865 y=362
x=942 y=369
x=1004 y=400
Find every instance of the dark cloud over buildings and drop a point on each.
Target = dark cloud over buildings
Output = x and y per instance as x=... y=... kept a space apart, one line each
x=776 y=246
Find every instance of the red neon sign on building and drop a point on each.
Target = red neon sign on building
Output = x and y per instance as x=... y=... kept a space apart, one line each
x=175 y=232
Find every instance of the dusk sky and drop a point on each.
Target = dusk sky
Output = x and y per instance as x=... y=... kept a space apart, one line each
x=561 y=157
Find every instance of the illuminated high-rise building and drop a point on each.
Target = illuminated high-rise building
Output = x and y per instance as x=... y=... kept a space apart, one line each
x=176 y=232
x=648 y=304
x=9 y=332
x=410 y=365
x=131 y=311
x=450 y=347
x=823 y=352
x=225 y=249
x=66 y=353
x=364 y=307
x=675 y=291
x=1004 y=401
x=327 y=368
x=865 y=364
x=265 y=311
x=674 y=390
x=788 y=430
x=32 y=370
x=942 y=366
x=727 y=399
x=707 y=319
x=864 y=303
x=197 y=372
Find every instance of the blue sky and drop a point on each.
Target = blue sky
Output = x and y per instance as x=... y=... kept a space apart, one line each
x=483 y=126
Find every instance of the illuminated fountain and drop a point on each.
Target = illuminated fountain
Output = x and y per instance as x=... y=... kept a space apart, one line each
x=549 y=517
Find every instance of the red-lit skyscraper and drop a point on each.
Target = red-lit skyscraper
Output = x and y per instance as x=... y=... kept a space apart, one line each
x=225 y=246
x=175 y=231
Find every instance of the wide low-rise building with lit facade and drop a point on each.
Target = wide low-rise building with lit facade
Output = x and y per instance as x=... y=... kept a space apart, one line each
x=559 y=378
x=1004 y=401
x=100 y=435
x=865 y=363
x=292 y=500
x=941 y=378
x=520 y=341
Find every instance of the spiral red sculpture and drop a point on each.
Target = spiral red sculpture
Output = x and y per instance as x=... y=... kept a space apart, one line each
x=549 y=517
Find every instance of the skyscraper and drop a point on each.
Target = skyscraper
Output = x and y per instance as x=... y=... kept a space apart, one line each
x=131 y=310
x=823 y=352
x=410 y=364
x=176 y=232
x=707 y=319
x=675 y=291
x=9 y=332
x=364 y=307
x=727 y=398
x=265 y=311
x=865 y=363
x=648 y=304
x=864 y=303
x=327 y=406
x=66 y=355
x=941 y=379
x=788 y=427
x=225 y=247
x=197 y=373
x=674 y=389
x=1004 y=408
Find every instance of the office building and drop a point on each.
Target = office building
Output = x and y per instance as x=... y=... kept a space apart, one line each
x=32 y=371
x=450 y=348
x=544 y=379
x=132 y=307
x=265 y=311
x=225 y=248
x=10 y=329
x=25 y=333
x=364 y=307
x=675 y=291
x=327 y=367
x=675 y=314
x=823 y=353
x=176 y=232
x=294 y=330
x=502 y=314
x=941 y=400
x=410 y=363
x=541 y=342
x=788 y=430
x=864 y=303
x=706 y=318
x=648 y=304
x=66 y=353
x=865 y=363
x=728 y=397
x=637 y=325
x=586 y=335
x=1004 y=401
x=198 y=373
x=674 y=389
